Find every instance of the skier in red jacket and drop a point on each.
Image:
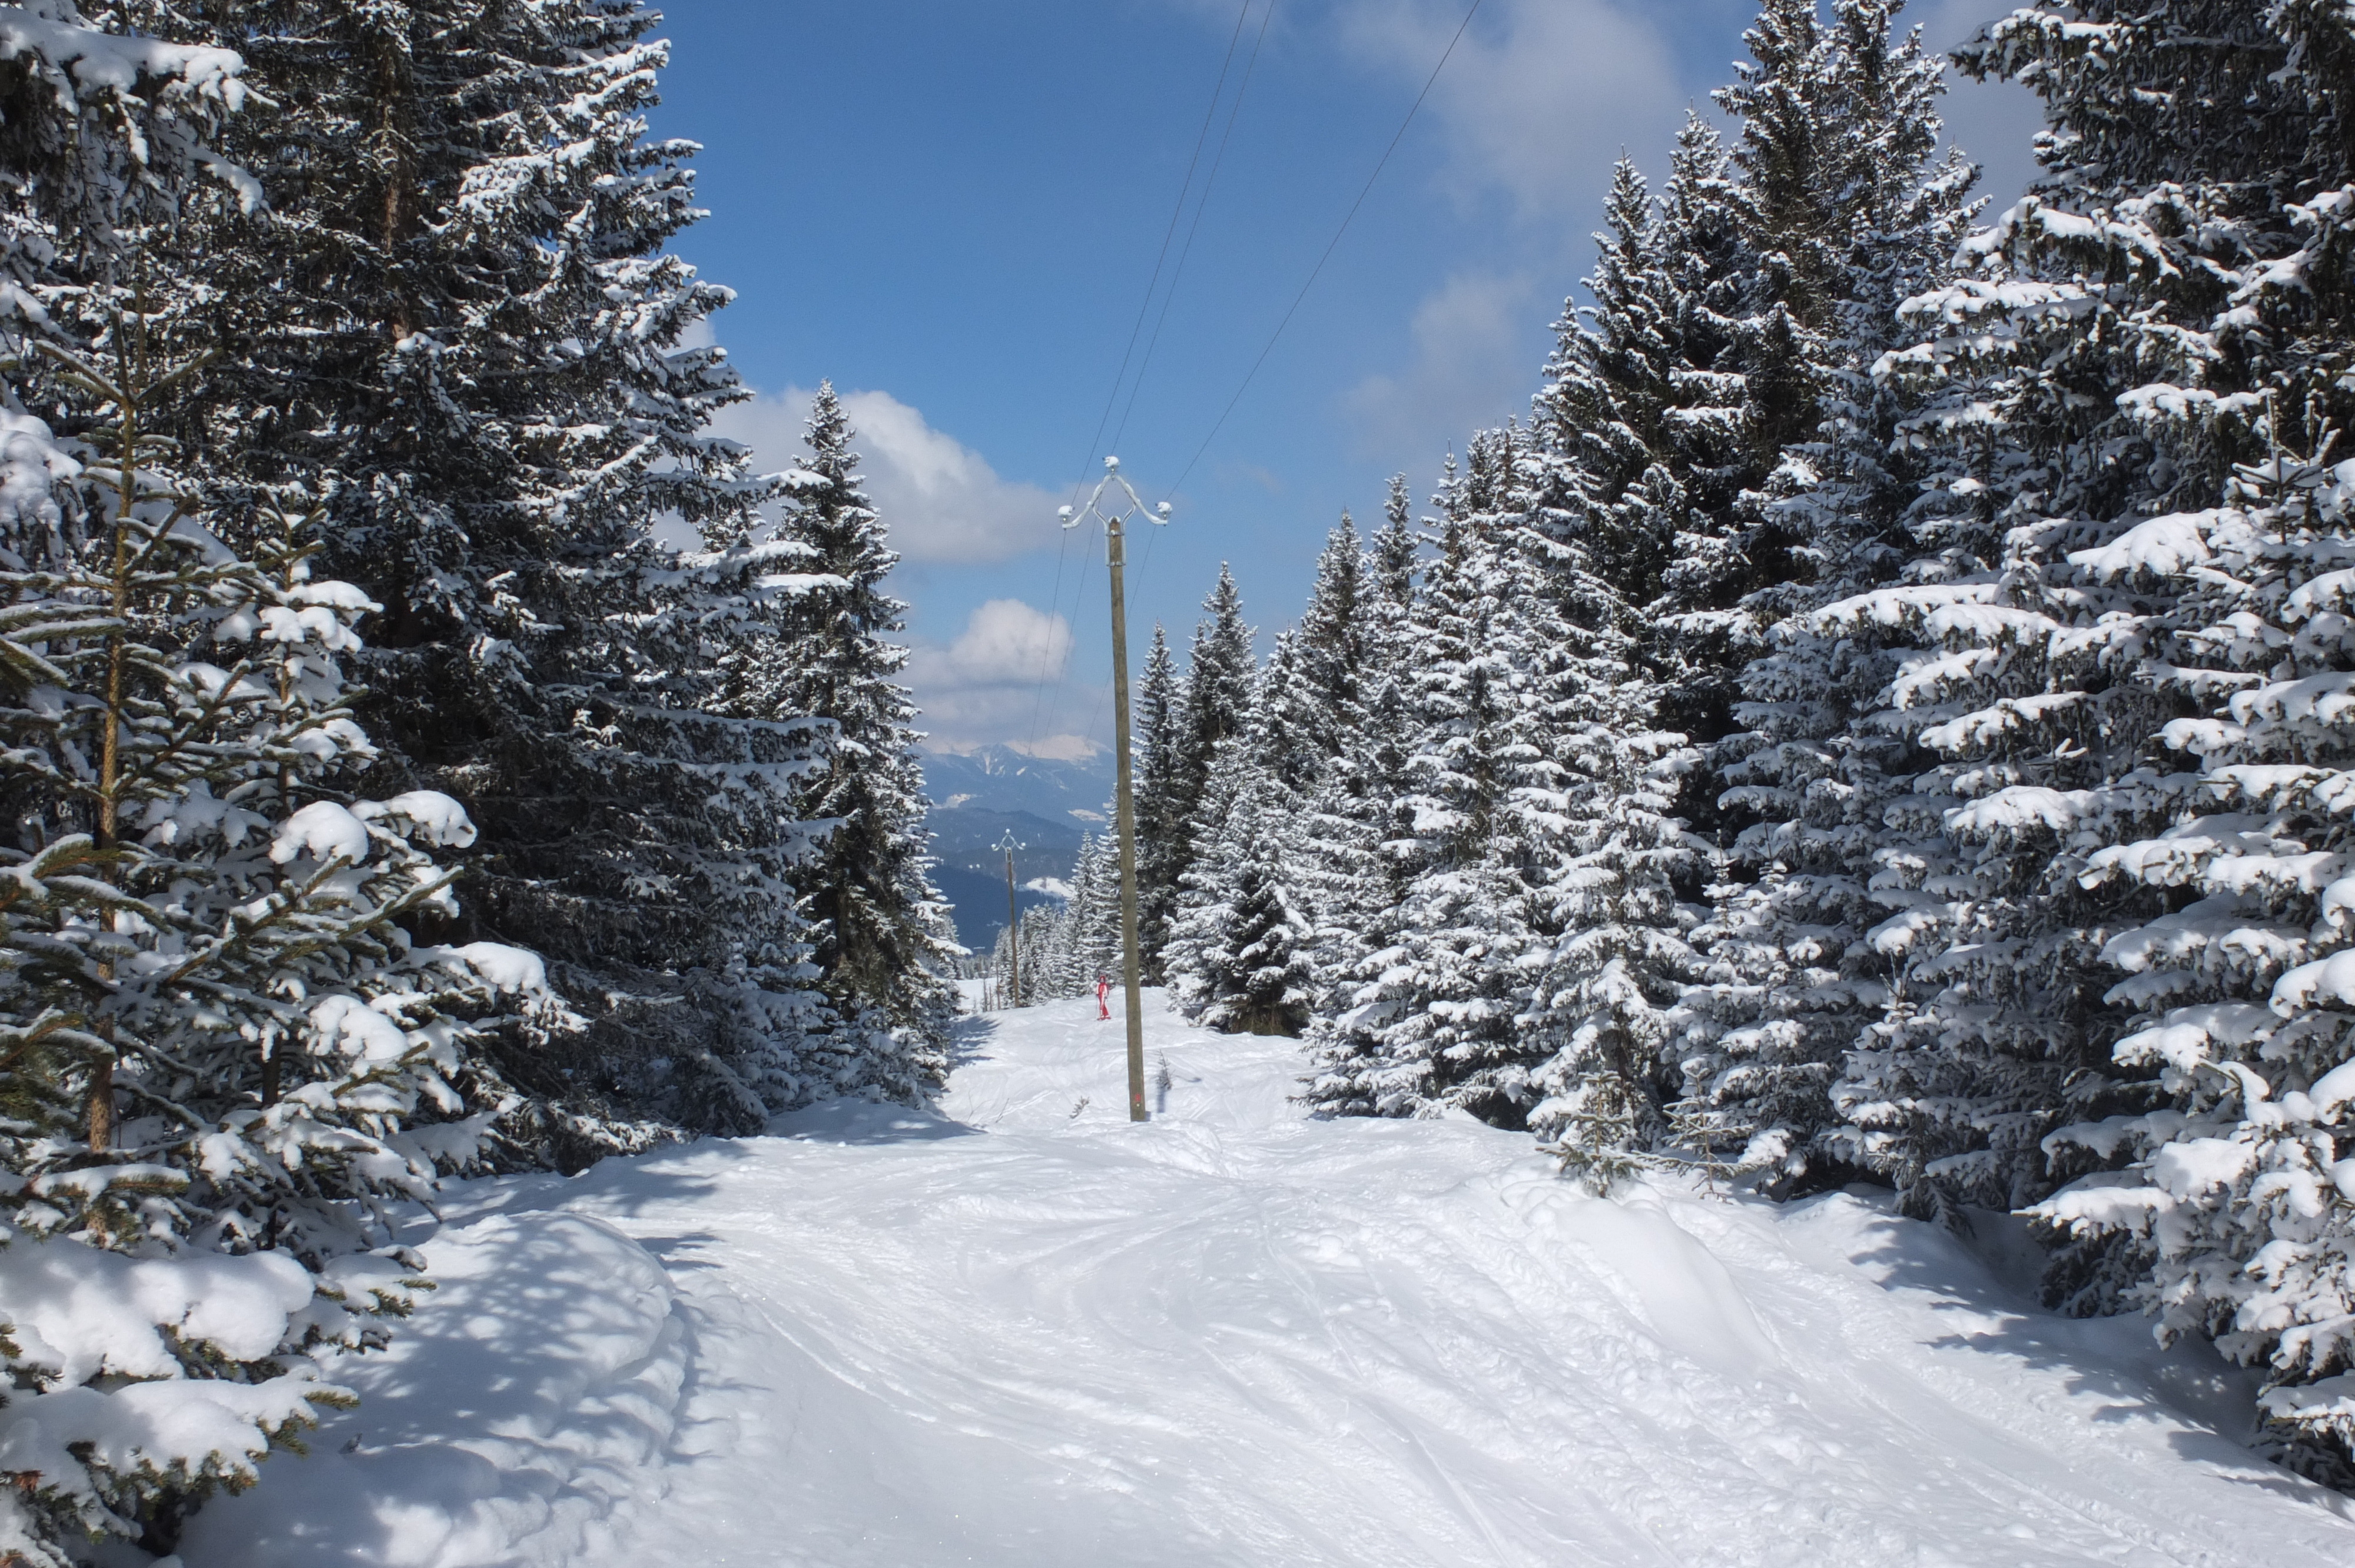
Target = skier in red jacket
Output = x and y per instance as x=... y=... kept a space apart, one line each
x=1103 y=997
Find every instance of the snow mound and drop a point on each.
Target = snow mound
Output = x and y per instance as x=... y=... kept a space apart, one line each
x=526 y=1403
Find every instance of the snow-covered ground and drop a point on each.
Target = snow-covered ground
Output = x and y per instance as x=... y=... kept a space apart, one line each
x=1027 y=1333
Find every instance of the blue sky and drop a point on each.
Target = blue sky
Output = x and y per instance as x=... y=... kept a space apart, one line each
x=952 y=210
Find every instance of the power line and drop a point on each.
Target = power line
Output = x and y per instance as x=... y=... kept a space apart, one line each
x=1331 y=246
x=1176 y=211
x=1218 y=160
x=1079 y=594
x=1045 y=646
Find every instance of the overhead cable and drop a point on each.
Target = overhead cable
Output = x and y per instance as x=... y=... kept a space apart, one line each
x=1176 y=211
x=1330 y=246
x=1218 y=160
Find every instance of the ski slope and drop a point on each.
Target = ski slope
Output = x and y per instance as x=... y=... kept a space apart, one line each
x=1023 y=1333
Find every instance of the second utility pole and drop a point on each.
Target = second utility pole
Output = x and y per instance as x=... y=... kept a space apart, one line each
x=1013 y=923
x=1115 y=556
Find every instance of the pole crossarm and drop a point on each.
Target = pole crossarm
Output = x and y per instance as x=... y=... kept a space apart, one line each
x=1092 y=509
x=1114 y=518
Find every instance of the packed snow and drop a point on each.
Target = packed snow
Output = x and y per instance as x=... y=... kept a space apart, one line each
x=1025 y=1331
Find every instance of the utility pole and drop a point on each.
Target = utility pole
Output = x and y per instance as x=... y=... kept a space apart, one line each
x=1013 y=925
x=1115 y=522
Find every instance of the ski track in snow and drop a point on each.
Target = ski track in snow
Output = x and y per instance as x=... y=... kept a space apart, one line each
x=1014 y=1335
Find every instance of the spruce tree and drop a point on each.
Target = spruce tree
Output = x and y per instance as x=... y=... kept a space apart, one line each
x=1841 y=139
x=1220 y=673
x=1601 y=801
x=1241 y=951
x=458 y=324
x=1395 y=550
x=2136 y=691
x=1374 y=844
x=757 y=1033
x=2106 y=350
x=1345 y=819
x=1162 y=841
x=1185 y=741
x=223 y=1052
x=1352 y=876
x=1330 y=648
x=1240 y=944
x=882 y=956
x=1095 y=916
x=1433 y=1021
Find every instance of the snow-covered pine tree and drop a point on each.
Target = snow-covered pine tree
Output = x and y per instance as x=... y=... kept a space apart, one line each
x=1394 y=552
x=1722 y=324
x=1066 y=945
x=1240 y=947
x=1094 y=917
x=2227 y=1219
x=1348 y=815
x=1835 y=118
x=998 y=972
x=217 y=1034
x=457 y=325
x=718 y=637
x=1643 y=429
x=1199 y=958
x=213 y=1033
x=1162 y=845
x=1046 y=938
x=1845 y=139
x=883 y=953
x=1222 y=672
x=1601 y=422
x=1590 y=820
x=1373 y=849
x=1182 y=731
x=2166 y=377
x=1034 y=942
x=1352 y=876
x=1358 y=868
x=1330 y=654
x=1060 y=959
x=1241 y=951
x=1433 y=1020
x=2103 y=362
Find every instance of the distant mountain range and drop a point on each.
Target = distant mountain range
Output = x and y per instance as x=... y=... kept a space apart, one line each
x=979 y=798
x=1000 y=778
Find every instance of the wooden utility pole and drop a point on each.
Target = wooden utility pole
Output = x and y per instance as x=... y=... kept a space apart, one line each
x=1013 y=926
x=1124 y=791
x=1125 y=816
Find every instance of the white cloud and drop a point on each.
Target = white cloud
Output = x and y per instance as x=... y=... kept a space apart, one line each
x=1005 y=640
x=1473 y=366
x=1537 y=102
x=1541 y=95
x=998 y=680
x=940 y=498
